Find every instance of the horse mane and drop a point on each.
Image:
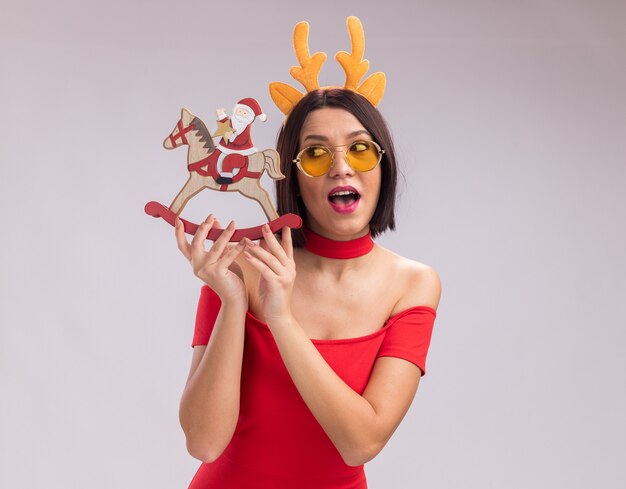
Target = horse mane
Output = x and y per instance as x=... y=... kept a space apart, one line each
x=203 y=132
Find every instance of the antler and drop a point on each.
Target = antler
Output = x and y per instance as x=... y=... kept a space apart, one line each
x=353 y=64
x=286 y=97
x=308 y=71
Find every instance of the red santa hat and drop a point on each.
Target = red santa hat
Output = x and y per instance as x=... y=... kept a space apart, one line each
x=252 y=106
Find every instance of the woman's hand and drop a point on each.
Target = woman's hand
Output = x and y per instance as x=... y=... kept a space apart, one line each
x=217 y=267
x=277 y=269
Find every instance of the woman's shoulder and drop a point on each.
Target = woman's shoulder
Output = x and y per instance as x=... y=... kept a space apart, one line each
x=417 y=283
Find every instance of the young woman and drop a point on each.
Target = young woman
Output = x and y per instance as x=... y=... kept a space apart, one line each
x=308 y=349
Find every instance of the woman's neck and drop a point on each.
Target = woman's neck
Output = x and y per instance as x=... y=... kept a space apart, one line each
x=337 y=268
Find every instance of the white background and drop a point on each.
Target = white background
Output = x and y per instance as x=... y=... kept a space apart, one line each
x=510 y=123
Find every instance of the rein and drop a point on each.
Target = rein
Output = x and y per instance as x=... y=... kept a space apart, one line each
x=181 y=133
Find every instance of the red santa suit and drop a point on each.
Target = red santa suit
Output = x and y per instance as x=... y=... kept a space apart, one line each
x=233 y=154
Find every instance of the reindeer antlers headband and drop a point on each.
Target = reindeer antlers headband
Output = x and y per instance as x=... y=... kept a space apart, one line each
x=286 y=97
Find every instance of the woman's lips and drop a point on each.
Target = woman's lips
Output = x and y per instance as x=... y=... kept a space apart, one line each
x=344 y=199
x=344 y=209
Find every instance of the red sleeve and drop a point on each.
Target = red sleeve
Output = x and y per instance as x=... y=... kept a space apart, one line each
x=208 y=306
x=409 y=335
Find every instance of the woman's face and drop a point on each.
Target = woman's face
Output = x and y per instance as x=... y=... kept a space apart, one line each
x=338 y=217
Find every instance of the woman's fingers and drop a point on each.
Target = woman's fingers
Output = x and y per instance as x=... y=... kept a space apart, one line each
x=273 y=245
x=269 y=256
x=217 y=225
x=263 y=269
x=197 y=243
x=181 y=239
x=264 y=256
x=220 y=243
x=286 y=242
x=231 y=255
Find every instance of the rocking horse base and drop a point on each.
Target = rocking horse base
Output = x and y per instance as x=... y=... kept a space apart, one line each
x=155 y=209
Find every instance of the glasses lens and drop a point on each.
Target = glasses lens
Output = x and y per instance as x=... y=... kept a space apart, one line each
x=316 y=160
x=363 y=155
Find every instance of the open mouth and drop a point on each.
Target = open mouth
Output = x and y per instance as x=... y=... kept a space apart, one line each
x=344 y=198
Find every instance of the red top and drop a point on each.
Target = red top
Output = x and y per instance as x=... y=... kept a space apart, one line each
x=278 y=443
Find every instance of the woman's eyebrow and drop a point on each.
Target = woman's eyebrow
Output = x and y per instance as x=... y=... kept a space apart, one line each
x=324 y=138
x=316 y=136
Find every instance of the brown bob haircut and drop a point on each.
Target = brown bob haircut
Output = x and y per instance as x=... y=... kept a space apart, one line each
x=288 y=146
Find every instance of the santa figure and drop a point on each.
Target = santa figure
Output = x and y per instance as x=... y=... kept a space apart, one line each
x=236 y=145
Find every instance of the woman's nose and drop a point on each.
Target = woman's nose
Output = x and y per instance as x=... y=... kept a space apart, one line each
x=340 y=165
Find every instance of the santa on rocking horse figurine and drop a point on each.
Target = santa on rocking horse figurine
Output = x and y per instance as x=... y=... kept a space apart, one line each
x=233 y=165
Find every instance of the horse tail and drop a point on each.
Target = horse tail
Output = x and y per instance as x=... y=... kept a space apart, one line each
x=272 y=164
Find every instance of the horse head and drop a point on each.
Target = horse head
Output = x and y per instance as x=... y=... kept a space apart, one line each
x=182 y=127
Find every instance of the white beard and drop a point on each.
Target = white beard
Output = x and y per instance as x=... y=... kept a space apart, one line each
x=239 y=124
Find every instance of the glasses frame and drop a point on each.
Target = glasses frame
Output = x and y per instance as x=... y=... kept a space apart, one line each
x=297 y=159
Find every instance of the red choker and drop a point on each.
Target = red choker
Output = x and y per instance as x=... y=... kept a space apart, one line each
x=330 y=248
